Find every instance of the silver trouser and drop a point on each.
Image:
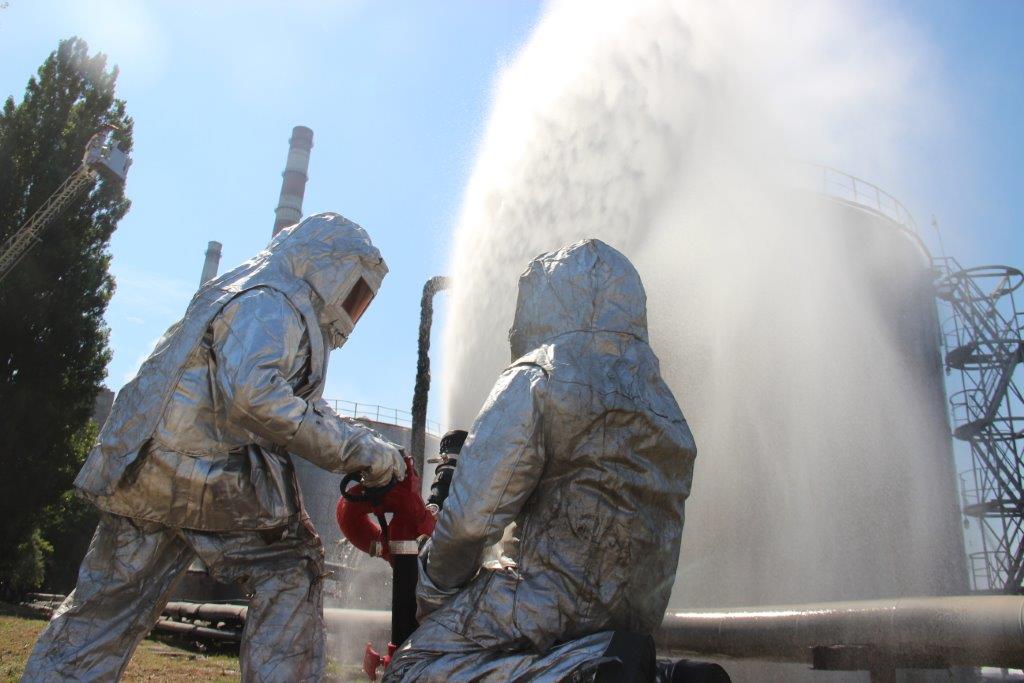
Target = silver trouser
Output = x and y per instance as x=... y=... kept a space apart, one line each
x=435 y=654
x=132 y=568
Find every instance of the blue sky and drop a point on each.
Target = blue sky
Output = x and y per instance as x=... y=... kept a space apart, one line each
x=397 y=94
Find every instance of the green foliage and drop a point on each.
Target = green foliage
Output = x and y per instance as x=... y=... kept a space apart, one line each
x=68 y=525
x=53 y=350
x=23 y=570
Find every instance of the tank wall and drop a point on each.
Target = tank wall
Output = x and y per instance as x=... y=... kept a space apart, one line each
x=829 y=475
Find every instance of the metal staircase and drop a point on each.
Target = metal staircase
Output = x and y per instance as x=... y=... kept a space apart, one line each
x=984 y=340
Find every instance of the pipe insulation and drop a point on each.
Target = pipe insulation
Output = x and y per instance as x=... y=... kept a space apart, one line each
x=180 y=628
x=917 y=632
x=936 y=632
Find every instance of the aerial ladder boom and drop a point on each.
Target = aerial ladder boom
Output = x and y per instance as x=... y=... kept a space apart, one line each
x=102 y=156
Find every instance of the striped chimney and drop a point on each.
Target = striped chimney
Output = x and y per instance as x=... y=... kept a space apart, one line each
x=293 y=184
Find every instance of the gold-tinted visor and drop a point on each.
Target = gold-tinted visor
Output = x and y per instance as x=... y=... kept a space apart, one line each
x=358 y=300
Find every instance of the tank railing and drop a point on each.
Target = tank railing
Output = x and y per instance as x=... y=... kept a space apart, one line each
x=841 y=185
x=377 y=413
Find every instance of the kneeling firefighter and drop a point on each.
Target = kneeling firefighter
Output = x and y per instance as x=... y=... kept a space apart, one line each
x=194 y=462
x=582 y=445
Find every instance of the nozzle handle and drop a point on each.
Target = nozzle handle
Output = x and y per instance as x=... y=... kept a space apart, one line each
x=369 y=494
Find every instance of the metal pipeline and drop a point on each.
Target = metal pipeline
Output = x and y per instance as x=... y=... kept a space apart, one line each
x=180 y=628
x=903 y=633
x=872 y=635
x=939 y=632
x=212 y=612
x=422 y=388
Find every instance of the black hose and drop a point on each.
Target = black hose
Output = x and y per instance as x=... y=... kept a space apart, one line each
x=403 y=597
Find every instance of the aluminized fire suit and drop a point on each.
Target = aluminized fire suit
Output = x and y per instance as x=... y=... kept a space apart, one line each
x=194 y=462
x=583 y=446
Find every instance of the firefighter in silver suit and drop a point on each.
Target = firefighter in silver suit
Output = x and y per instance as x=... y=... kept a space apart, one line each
x=195 y=462
x=583 y=446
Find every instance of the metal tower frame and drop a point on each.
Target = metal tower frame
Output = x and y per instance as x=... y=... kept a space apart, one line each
x=102 y=156
x=984 y=340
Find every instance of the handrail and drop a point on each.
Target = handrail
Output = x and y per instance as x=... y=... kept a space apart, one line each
x=842 y=185
x=378 y=413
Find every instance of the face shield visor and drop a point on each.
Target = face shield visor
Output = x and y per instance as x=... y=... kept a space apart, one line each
x=341 y=317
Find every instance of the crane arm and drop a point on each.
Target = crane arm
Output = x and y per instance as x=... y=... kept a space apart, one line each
x=18 y=244
x=101 y=156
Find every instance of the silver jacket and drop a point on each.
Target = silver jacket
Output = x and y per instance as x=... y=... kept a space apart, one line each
x=199 y=439
x=583 y=446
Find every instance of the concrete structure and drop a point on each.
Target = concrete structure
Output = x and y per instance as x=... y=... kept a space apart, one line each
x=294 y=177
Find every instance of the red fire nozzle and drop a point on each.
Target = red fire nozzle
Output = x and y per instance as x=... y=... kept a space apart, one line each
x=410 y=520
x=395 y=539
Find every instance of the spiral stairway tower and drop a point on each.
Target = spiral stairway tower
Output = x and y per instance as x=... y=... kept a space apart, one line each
x=984 y=338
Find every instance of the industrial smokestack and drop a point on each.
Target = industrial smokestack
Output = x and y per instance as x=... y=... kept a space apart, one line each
x=212 y=262
x=293 y=185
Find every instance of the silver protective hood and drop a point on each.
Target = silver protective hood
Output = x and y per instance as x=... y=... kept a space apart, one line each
x=310 y=263
x=584 y=447
x=586 y=287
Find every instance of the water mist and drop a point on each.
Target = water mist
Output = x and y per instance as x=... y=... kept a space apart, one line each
x=798 y=333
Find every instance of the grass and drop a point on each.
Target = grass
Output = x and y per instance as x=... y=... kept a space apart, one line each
x=155 y=659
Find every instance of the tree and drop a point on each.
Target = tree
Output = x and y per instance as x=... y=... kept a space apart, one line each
x=53 y=344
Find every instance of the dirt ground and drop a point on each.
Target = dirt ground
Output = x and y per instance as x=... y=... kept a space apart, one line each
x=153 y=661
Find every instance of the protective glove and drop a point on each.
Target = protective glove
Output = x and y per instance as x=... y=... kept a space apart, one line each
x=338 y=445
x=386 y=461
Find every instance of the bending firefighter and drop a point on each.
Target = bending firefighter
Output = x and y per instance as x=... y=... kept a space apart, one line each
x=194 y=462
x=582 y=445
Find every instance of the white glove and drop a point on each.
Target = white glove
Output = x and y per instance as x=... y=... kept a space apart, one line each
x=386 y=462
